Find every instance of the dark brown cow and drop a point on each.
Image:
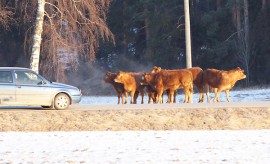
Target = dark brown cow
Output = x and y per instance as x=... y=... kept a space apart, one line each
x=197 y=79
x=119 y=88
x=170 y=80
x=221 y=80
x=131 y=82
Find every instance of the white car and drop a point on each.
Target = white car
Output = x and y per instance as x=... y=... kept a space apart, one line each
x=22 y=86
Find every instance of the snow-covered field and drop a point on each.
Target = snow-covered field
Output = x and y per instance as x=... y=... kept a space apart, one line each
x=220 y=146
x=136 y=147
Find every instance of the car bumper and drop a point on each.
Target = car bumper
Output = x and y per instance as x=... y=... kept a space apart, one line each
x=76 y=99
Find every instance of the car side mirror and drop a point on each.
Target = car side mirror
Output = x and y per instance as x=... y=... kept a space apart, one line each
x=41 y=83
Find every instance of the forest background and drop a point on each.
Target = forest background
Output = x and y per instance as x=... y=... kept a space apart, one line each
x=135 y=35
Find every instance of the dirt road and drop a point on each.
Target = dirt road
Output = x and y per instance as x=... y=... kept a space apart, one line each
x=248 y=115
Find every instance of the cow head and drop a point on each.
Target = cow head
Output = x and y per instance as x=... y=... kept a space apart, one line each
x=240 y=73
x=156 y=69
x=120 y=77
x=109 y=77
x=147 y=78
x=144 y=79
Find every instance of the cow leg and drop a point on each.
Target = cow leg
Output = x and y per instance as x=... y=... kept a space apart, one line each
x=159 y=97
x=185 y=100
x=227 y=95
x=169 y=96
x=136 y=95
x=171 y=93
x=126 y=93
x=207 y=93
x=200 y=90
x=154 y=96
x=174 y=96
x=188 y=95
x=133 y=97
x=118 y=99
x=190 y=100
x=150 y=100
x=217 y=93
x=123 y=98
x=142 y=94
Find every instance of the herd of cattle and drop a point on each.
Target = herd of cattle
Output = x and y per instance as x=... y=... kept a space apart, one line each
x=160 y=80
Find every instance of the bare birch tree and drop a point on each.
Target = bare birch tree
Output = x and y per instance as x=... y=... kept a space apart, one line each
x=34 y=60
x=74 y=27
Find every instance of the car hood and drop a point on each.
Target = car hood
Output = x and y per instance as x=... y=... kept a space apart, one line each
x=55 y=84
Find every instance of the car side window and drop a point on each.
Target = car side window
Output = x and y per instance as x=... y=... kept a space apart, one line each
x=25 y=77
x=5 y=77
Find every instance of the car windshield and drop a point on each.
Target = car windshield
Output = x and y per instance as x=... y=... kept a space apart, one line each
x=26 y=77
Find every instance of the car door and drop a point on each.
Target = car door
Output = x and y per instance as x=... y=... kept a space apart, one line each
x=31 y=89
x=7 y=88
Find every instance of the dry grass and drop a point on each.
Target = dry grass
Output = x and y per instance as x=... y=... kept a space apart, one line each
x=119 y=120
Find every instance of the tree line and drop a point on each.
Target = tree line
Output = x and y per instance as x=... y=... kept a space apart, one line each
x=134 y=35
x=224 y=34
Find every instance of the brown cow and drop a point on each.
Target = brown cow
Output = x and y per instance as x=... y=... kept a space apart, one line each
x=221 y=80
x=131 y=82
x=197 y=79
x=170 y=80
x=152 y=93
x=119 y=88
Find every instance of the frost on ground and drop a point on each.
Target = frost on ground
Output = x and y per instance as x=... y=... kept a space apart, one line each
x=136 y=147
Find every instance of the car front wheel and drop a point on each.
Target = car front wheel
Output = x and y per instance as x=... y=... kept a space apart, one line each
x=61 y=101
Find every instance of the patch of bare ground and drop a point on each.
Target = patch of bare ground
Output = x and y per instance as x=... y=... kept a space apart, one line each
x=121 y=120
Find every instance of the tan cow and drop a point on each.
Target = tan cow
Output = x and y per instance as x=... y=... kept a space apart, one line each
x=197 y=79
x=221 y=80
x=170 y=80
x=131 y=82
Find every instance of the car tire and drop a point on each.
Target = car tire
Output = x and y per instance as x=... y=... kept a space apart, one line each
x=61 y=101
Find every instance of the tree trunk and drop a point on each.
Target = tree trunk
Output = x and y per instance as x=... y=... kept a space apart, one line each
x=149 y=49
x=125 y=26
x=264 y=3
x=238 y=19
x=187 y=34
x=247 y=47
x=218 y=4
x=34 y=61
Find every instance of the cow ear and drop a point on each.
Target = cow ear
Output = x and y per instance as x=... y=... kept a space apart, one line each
x=120 y=73
x=238 y=68
x=159 y=68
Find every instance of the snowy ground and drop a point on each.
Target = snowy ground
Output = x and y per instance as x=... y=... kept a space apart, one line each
x=136 y=147
x=249 y=146
x=235 y=96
